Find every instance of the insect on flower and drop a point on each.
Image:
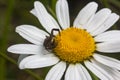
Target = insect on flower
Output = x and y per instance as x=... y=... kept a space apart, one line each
x=49 y=42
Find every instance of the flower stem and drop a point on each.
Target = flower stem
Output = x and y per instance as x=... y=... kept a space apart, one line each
x=4 y=41
x=26 y=70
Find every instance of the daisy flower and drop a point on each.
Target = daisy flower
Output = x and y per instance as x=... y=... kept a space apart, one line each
x=73 y=50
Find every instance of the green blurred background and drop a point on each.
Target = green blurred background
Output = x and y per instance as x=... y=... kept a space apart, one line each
x=16 y=12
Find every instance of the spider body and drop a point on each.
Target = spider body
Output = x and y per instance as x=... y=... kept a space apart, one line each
x=49 y=42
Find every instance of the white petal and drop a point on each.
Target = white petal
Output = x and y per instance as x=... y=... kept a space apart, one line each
x=83 y=72
x=38 y=61
x=25 y=49
x=21 y=57
x=108 y=36
x=109 y=22
x=56 y=72
x=32 y=34
x=44 y=17
x=113 y=72
x=109 y=47
x=100 y=73
x=85 y=14
x=62 y=13
x=106 y=73
x=72 y=73
x=68 y=73
x=111 y=62
x=33 y=11
x=98 y=19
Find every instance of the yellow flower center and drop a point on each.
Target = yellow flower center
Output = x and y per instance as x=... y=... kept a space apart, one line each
x=74 y=45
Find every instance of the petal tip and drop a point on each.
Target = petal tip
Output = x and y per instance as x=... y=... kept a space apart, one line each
x=94 y=3
x=18 y=28
x=107 y=10
x=9 y=49
x=37 y=3
x=21 y=64
x=21 y=67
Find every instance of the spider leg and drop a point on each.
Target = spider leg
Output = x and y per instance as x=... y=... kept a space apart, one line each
x=52 y=32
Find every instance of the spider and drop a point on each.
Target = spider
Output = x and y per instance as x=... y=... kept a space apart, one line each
x=49 y=42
